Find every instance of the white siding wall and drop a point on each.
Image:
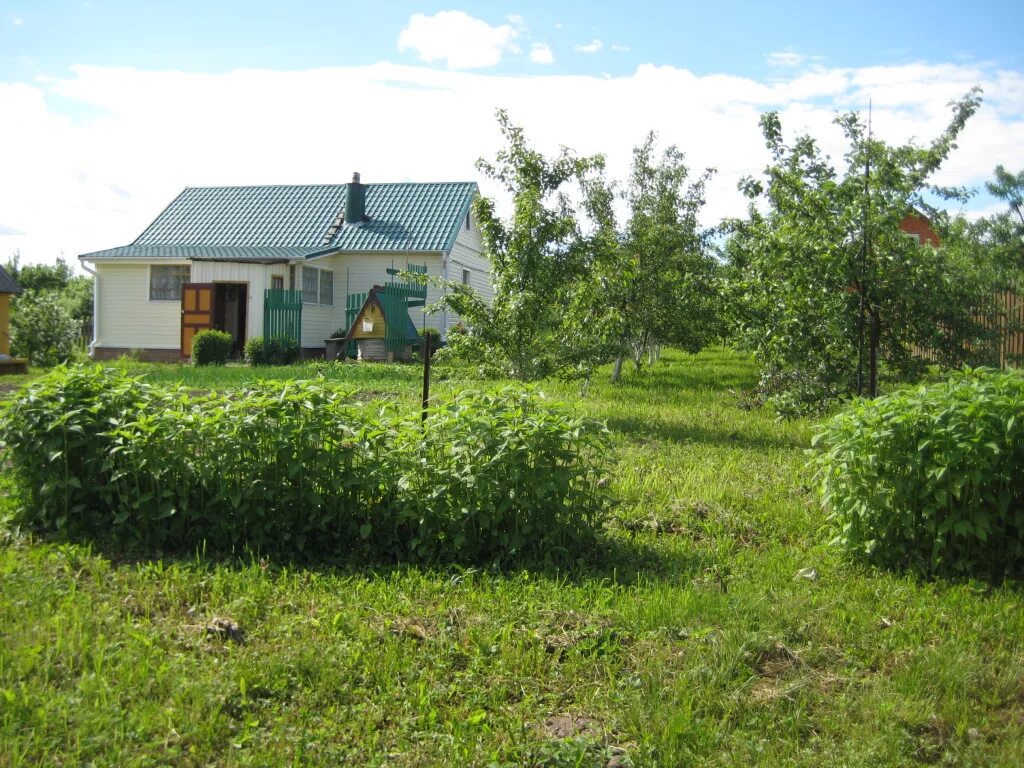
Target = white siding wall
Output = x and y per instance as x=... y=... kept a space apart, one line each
x=320 y=320
x=127 y=318
x=467 y=253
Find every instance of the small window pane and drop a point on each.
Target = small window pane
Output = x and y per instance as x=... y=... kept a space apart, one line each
x=309 y=285
x=327 y=287
x=465 y=277
x=165 y=282
x=277 y=282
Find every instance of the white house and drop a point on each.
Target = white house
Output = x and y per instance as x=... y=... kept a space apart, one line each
x=216 y=254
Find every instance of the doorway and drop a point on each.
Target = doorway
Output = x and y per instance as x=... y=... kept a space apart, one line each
x=230 y=304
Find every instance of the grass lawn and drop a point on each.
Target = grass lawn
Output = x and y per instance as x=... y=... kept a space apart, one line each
x=692 y=644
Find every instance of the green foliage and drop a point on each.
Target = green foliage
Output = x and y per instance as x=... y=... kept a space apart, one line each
x=211 y=347
x=300 y=469
x=74 y=291
x=255 y=351
x=279 y=350
x=663 y=279
x=42 y=328
x=500 y=474
x=929 y=478
x=798 y=262
x=540 y=260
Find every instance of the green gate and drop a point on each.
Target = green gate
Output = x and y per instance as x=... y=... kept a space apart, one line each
x=353 y=303
x=282 y=314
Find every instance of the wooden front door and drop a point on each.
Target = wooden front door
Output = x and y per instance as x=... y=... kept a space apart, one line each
x=196 y=312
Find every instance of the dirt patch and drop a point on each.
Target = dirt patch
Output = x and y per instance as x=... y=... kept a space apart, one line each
x=571 y=727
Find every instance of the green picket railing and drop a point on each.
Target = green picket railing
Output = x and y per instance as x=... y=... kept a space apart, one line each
x=353 y=303
x=282 y=314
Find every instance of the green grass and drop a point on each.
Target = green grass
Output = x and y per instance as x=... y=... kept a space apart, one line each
x=692 y=645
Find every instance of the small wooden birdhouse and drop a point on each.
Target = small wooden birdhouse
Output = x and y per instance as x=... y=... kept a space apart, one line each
x=382 y=329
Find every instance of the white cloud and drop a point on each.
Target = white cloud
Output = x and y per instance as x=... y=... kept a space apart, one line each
x=593 y=46
x=540 y=53
x=136 y=131
x=788 y=59
x=457 y=38
x=620 y=48
x=17 y=21
x=515 y=20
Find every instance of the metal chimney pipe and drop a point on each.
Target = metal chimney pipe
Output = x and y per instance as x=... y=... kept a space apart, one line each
x=355 y=201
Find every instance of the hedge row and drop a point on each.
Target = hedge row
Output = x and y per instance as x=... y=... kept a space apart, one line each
x=301 y=469
x=930 y=478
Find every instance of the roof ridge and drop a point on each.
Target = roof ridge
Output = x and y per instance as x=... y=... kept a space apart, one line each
x=322 y=184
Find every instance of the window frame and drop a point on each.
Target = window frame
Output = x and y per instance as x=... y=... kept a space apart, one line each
x=149 y=281
x=467 y=277
x=320 y=286
x=317 y=289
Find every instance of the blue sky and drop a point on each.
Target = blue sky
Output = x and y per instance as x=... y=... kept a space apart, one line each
x=116 y=105
x=705 y=37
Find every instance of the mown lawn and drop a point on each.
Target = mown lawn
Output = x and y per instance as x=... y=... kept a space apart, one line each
x=692 y=643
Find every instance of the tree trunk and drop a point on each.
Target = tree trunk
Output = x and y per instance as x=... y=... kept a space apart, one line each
x=876 y=333
x=617 y=368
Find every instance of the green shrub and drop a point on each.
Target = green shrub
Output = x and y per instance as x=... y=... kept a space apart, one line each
x=930 y=478
x=255 y=351
x=300 y=469
x=498 y=474
x=211 y=347
x=279 y=350
x=43 y=329
x=282 y=350
x=55 y=434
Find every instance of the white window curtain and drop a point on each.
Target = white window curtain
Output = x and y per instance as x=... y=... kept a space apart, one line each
x=309 y=285
x=165 y=282
x=327 y=287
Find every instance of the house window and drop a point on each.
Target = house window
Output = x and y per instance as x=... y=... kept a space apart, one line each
x=310 y=291
x=467 y=221
x=327 y=287
x=317 y=286
x=465 y=277
x=165 y=282
x=277 y=282
x=291 y=277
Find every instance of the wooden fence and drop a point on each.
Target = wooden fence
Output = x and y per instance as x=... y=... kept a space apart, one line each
x=1007 y=322
x=282 y=314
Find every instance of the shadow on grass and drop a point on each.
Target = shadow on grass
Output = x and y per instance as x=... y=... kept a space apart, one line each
x=636 y=427
x=616 y=559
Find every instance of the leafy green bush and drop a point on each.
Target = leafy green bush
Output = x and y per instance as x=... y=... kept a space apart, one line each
x=282 y=350
x=497 y=474
x=300 y=469
x=55 y=434
x=930 y=478
x=279 y=350
x=43 y=329
x=211 y=347
x=255 y=351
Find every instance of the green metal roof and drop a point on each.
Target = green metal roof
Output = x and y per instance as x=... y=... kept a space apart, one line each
x=205 y=253
x=7 y=284
x=294 y=221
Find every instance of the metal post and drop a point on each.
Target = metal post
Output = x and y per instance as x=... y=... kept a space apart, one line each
x=425 y=346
